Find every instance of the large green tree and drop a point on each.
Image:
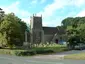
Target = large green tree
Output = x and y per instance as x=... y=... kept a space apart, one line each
x=12 y=31
x=75 y=30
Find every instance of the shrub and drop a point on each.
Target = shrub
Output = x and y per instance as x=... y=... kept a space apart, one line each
x=34 y=50
x=24 y=53
x=44 y=51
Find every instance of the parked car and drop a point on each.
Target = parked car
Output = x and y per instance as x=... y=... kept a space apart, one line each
x=80 y=46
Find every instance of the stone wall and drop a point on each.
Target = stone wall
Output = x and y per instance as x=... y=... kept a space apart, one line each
x=48 y=38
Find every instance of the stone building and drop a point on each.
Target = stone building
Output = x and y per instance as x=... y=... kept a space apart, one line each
x=39 y=33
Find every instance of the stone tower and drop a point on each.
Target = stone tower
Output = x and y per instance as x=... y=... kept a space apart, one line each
x=36 y=29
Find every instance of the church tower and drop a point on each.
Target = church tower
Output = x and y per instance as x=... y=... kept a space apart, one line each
x=36 y=29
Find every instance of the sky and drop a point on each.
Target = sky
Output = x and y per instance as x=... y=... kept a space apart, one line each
x=52 y=11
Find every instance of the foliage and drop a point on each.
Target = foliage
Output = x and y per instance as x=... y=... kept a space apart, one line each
x=75 y=30
x=73 y=21
x=12 y=30
x=1 y=15
x=24 y=53
x=67 y=22
x=35 y=50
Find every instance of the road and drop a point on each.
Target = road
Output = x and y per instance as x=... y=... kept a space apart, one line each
x=6 y=59
x=60 y=55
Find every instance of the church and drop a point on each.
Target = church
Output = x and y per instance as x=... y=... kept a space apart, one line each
x=39 y=33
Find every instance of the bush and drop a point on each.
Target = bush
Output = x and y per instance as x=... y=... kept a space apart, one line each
x=24 y=53
x=44 y=51
x=34 y=50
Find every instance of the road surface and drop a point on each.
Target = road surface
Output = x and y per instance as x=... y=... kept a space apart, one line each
x=60 y=55
x=6 y=59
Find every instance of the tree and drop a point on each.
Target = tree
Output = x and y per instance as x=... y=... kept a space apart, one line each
x=1 y=15
x=75 y=30
x=67 y=22
x=12 y=30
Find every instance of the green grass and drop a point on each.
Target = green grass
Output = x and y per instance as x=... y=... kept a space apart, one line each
x=35 y=50
x=56 y=48
x=9 y=51
x=80 y=56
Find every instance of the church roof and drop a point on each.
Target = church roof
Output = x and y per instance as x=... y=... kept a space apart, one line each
x=53 y=30
x=50 y=30
x=61 y=30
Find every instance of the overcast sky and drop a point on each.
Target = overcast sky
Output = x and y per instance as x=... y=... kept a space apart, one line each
x=53 y=11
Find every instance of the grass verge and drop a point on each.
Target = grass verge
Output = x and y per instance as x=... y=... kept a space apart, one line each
x=80 y=56
x=35 y=50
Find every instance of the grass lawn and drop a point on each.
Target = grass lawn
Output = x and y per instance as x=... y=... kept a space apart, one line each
x=80 y=56
x=35 y=50
x=56 y=48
